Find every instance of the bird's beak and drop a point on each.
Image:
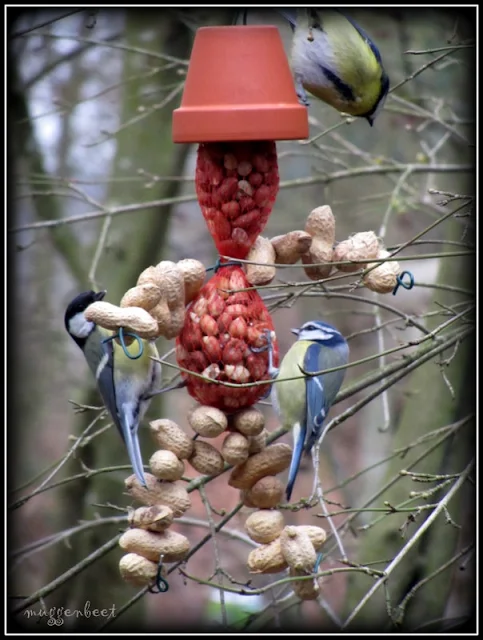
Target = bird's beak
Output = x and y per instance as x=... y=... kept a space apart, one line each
x=134 y=453
x=370 y=120
x=100 y=295
x=295 y=331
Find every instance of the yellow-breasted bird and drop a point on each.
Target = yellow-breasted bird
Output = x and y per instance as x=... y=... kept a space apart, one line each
x=125 y=380
x=335 y=60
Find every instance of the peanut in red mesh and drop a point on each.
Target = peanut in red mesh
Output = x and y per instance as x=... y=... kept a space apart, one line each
x=236 y=184
x=222 y=327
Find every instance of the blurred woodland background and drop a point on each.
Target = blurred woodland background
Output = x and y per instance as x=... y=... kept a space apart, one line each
x=99 y=192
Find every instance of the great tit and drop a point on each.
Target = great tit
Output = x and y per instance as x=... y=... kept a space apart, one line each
x=303 y=404
x=125 y=383
x=335 y=60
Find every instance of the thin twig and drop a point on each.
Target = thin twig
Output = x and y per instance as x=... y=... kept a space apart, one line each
x=46 y=23
x=297 y=182
x=69 y=574
x=410 y=544
x=218 y=567
x=78 y=442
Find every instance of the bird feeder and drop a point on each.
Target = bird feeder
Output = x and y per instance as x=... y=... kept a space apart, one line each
x=239 y=98
x=239 y=87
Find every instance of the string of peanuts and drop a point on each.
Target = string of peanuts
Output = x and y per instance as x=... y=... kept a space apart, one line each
x=316 y=246
x=256 y=466
x=157 y=306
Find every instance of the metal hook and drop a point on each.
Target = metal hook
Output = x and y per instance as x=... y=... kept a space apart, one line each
x=161 y=584
x=272 y=371
x=244 y=15
x=401 y=283
x=121 y=333
x=219 y=264
x=318 y=562
x=265 y=347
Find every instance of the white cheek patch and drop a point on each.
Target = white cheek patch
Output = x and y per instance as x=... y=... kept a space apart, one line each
x=322 y=334
x=317 y=334
x=80 y=327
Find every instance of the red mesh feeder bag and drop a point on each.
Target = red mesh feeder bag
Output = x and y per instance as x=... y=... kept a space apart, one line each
x=236 y=184
x=222 y=325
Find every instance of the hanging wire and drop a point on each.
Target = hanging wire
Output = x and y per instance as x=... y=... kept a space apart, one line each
x=120 y=335
x=401 y=283
x=272 y=370
x=320 y=557
x=219 y=264
x=161 y=584
x=244 y=15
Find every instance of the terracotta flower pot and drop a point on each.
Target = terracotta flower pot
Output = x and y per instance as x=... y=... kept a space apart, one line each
x=239 y=87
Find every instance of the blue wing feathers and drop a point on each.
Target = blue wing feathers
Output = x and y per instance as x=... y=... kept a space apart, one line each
x=364 y=36
x=290 y=15
x=316 y=409
x=299 y=440
x=105 y=383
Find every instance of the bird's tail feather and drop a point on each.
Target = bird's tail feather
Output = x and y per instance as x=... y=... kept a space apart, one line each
x=134 y=452
x=290 y=15
x=299 y=439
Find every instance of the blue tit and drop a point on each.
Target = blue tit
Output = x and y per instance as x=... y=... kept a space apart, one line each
x=125 y=383
x=303 y=404
x=336 y=61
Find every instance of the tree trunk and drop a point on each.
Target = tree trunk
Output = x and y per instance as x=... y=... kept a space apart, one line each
x=429 y=406
x=135 y=242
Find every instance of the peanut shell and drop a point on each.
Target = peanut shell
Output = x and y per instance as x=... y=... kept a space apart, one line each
x=166 y=465
x=290 y=247
x=234 y=449
x=304 y=589
x=297 y=549
x=209 y=422
x=317 y=535
x=257 y=443
x=269 y=558
x=171 y=545
x=249 y=422
x=272 y=460
x=110 y=316
x=206 y=459
x=148 y=276
x=383 y=278
x=176 y=323
x=168 y=435
x=146 y=296
x=262 y=251
x=321 y=224
x=171 y=281
x=265 y=494
x=194 y=275
x=137 y=570
x=360 y=246
x=265 y=525
x=319 y=252
x=162 y=315
x=155 y=518
x=159 y=492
